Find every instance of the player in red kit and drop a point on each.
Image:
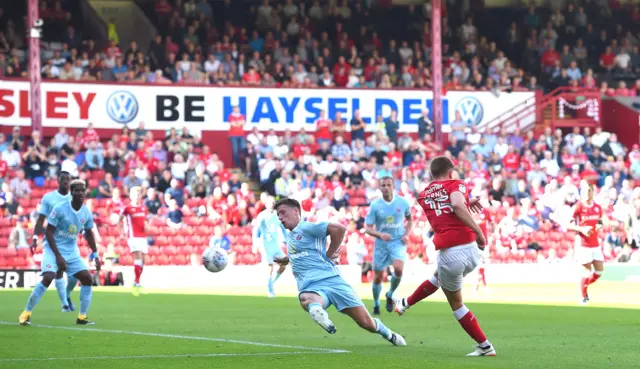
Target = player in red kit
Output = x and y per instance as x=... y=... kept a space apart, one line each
x=457 y=239
x=134 y=226
x=587 y=216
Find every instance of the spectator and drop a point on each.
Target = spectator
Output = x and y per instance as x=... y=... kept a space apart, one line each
x=174 y=193
x=94 y=157
x=11 y=156
x=130 y=181
x=34 y=163
x=152 y=202
x=18 y=237
x=174 y=216
x=19 y=186
x=220 y=240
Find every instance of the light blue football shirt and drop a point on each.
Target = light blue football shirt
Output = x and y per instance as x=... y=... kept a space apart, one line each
x=69 y=223
x=270 y=230
x=50 y=200
x=389 y=217
x=307 y=249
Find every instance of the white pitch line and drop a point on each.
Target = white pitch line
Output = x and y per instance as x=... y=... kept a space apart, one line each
x=177 y=336
x=169 y=356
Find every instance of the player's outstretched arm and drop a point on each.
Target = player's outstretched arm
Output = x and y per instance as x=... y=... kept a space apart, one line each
x=62 y=265
x=460 y=209
x=91 y=240
x=336 y=232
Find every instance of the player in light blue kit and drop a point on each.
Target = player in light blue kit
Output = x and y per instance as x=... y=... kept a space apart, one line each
x=319 y=282
x=50 y=200
x=269 y=233
x=66 y=221
x=389 y=221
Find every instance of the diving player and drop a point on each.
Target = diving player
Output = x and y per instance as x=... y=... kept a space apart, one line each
x=319 y=282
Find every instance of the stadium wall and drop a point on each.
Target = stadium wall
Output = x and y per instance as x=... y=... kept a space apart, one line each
x=176 y=277
x=614 y=113
x=206 y=108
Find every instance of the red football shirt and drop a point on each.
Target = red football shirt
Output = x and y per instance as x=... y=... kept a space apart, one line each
x=135 y=218
x=4 y=168
x=322 y=129
x=436 y=202
x=233 y=130
x=588 y=215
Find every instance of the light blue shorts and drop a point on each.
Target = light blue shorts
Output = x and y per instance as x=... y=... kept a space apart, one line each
x=385 y=254
x=75 y=263
x=335 y=291
x=272 y=253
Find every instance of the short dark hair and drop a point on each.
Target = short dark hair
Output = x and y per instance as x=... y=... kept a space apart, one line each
x=75 y=183
x=440 y=166
x=64 y=173
x=286 y=201
x=385 y=178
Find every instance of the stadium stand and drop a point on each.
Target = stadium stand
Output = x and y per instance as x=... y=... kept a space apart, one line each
x=529 y=178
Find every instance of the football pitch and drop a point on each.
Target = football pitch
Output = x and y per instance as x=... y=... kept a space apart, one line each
x=200 y=330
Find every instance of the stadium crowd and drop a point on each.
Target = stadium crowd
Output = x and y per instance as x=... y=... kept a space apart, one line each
x=356 y=44
x=529 y=182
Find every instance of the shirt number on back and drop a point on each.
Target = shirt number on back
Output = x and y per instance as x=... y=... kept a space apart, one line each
x=438 y=207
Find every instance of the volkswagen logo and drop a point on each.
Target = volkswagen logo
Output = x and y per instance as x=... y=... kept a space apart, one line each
x=122 y=107
x=471 y=110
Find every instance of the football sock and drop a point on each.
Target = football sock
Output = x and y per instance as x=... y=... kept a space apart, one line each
x=85 y=299
x=72 y=282
x=426 y=289
x=470 y=324
x=270 y=284
x=277 y=277
x=35 y=296
x=62 y=291
x=395 y=282
x=376 y=289
x=594 y=277
x=138 y=266
x=382 y=329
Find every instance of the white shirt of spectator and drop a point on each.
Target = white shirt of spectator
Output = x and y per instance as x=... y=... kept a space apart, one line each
x=273 y=140
x=178 y=170
x=54 y=70
x=622 y=60
x=550 y=167
x=473 y=138
x=266 y=167
x=468 y=30
x=11 y=158
x=280 y=151
x=70 y=166
x=255 y=138
x=347 y=166
x=327 y=168
x=501 y=149
x=579 y=139
x=211 y=66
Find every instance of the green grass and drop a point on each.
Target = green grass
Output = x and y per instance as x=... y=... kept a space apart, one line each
x=525 y=336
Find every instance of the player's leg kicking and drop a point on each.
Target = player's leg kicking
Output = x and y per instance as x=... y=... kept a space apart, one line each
x=453 y=265
x=75 y=267
x=337 y=292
